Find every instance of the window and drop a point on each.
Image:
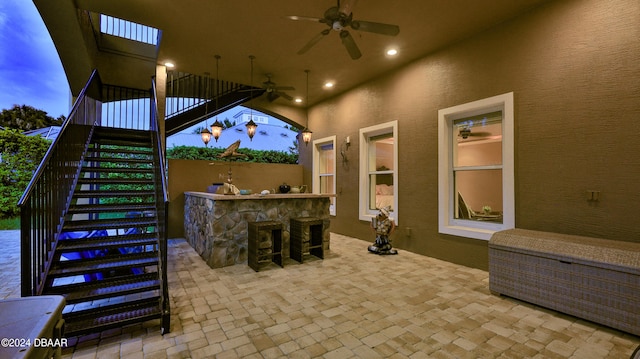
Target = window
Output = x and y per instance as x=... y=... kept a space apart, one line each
x=378 y=170
x=324 y=169
x=475 y=177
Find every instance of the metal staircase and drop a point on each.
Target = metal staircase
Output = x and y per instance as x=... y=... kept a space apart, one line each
x=106 y=260
x=94 y=216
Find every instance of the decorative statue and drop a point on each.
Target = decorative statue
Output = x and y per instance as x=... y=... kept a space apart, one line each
x=231 y=151
x=382 y=226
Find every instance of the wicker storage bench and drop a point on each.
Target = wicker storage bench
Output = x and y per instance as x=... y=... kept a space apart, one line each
x=590 y=278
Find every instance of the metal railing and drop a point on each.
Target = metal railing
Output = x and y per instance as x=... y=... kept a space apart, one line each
x=124 y=107
x=162 y=192
x=187 y=91
x=45 y=201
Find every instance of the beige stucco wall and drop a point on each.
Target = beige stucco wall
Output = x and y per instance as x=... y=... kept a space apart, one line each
x=196 y=175
x=574 y=70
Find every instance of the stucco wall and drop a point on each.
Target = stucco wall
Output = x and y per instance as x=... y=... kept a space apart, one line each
x=574 y=70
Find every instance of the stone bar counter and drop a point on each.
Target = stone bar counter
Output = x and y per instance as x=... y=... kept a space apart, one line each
x=216 y=225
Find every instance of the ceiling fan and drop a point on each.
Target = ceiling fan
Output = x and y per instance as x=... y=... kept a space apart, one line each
x=338 y=18
x=274 y=92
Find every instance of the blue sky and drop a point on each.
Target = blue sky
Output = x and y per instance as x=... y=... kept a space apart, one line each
x=30 y=69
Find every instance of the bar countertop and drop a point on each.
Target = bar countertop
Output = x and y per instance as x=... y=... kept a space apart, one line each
x=228 y=197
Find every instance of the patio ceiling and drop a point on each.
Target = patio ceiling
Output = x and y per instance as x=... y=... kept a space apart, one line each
x=194 y=31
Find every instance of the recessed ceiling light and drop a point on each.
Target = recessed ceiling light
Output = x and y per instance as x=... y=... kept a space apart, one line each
x=392 y=52
x=169 y=64
x=328 y=84
x=298 y=100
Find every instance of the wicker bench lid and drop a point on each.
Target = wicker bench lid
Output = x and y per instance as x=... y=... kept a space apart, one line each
x=612 y=254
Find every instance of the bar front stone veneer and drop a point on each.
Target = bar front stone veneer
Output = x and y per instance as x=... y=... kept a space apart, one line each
x=215 y=225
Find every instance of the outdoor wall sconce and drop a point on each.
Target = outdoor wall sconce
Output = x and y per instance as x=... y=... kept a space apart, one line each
x=306 y=136
x=306 y=133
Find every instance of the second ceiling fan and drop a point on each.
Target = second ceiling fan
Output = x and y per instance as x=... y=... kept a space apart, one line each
x=339 y=18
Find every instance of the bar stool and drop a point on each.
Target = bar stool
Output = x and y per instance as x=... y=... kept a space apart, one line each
x=257 y=253
x=297 y=237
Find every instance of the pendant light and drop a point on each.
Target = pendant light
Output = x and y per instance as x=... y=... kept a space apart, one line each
x=306 y=133
x=251 y=126
x=205 y=134
x=216 y=128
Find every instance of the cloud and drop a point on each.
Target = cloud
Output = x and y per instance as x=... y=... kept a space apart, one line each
x=30 y=69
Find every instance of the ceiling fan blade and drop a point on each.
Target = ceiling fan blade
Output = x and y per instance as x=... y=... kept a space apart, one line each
x=313 y=41
x=350 y=44
x=376 y=27
x=284 y=88
x=284 y=95
x=272 y=96
x=304 y=18
x=346 y=6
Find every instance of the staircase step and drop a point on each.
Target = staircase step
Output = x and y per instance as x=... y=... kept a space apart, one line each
x=105 y=181
x=124 y=208
x=146 y=143
x=109 y=223
x=126 y=160
x=106 y=288
x=107 y=133
x=106 y=242
x=137 y=170
x=115 y=193
x=114 y=152
x=103 y=264
x=102 y=318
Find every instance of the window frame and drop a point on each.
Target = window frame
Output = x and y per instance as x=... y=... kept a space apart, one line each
x=364 y=213
x=315 y=181
x=447 y=223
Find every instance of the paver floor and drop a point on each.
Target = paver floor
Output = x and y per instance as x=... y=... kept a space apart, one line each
x=352 y=304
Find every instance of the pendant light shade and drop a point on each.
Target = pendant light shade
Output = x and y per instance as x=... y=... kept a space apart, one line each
x=216 y=129
x=206 y=136
x=251 y=128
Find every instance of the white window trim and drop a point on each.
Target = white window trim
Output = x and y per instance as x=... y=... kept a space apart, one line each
x=447 y=223
x=366 y=214
x=315 y=183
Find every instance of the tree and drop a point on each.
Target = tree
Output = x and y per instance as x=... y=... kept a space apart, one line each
x=27 y=118
x=20 y=156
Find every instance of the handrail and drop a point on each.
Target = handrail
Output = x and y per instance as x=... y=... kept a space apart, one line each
x=69 y=120
x=45 y=200
x=162 y=208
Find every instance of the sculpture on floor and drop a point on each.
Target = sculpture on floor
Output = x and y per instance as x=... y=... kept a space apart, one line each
x=382 y=225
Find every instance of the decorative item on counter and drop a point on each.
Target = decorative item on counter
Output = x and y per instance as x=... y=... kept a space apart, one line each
x=298 y=189
x=486 y=209
x=265 y=192
x=245 y=192
x=284 y=188
x=214 y=187
x=230 y=189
